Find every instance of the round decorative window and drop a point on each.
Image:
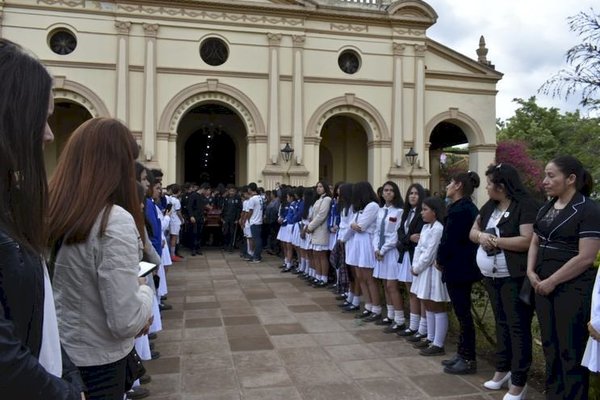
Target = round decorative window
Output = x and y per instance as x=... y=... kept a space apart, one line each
x=349 y=61
x=62 y=42
x=214 y=51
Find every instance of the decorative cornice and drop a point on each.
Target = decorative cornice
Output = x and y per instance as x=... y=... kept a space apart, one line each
x=162 y=135
x=409 y=32
x=399 y=48
x=67 y=3
x=274 y=38
x=483 y=147
x=123 y=27
x=461 y=90
x=207 y=15
x=343 y=81
x=461 y=76
x=150 y=30
x=314 y=140
x=78 y=64
x=349 y=27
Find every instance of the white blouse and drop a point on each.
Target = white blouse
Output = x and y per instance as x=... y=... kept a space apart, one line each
x=390 y=229
x=426 y=250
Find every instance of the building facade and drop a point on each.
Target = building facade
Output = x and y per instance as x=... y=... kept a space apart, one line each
x=213 y=90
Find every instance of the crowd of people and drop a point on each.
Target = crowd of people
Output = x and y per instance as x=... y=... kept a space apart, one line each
x=77 y=317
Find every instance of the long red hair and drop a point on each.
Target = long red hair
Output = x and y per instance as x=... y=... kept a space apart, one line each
x=95 y=171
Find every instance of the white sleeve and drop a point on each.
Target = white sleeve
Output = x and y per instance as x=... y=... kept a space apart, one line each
x=428 y=252
x=368 y=216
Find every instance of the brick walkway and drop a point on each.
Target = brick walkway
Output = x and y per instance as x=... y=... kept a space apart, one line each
x=246 y=331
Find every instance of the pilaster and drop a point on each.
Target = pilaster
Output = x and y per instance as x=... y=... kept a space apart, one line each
x=419 y=123
x=298 y=97
x=122 y=98
x=273 y=114
x=397 y=106
x=149 y=127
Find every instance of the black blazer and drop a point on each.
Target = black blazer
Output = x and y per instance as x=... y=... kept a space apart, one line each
x=517 y=214
x=559 y=242
x=457 y=254
x=21 y=320
x=404 y=243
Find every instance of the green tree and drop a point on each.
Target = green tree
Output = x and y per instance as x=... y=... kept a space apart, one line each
x=549 y=133
x=582 y=76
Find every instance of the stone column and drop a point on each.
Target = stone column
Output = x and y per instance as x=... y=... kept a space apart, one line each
x=122 y=99
x=149 y=126
x=1 y=17
x=273 y=121
x=419 y=123
x=298 y=98
x=397 y=109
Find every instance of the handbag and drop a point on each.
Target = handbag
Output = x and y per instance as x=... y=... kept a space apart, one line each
x=134 y=369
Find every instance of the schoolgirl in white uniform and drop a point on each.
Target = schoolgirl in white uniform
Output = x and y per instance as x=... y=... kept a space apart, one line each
x=386 y=255
x=309 y=198
x=427 y=284
x=320 y=234
x=360 y=254
x=285 y=231
x=347 y=276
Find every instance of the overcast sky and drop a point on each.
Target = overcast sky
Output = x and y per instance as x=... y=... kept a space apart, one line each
x=527 y=41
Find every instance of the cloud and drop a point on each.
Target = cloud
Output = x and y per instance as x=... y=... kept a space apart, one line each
x=527 y=41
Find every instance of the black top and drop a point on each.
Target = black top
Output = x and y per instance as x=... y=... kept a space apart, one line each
x=404 y=243
x=559 y=236
x=232 y=208
x=21 y=321
x=517 y=214
x=457 y=254
x=196 y=203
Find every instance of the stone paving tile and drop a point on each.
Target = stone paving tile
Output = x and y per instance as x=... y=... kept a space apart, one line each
x=243 y=332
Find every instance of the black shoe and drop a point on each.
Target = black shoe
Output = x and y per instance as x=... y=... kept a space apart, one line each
x=296 y=271
x=154 y=355
x=407 y=332
x=351 y=308
x=340 y=297
x=462 y=367
x=421 y=344
x=145 y=379
x=344 y=304
x=451 y=361
x=394 y=328
x=193 y=254
x=152 y=346
x=152 y=336
x=384 y=321
x=138 y=392
x=283 y=271
x=165 y=307
x=415 y=338
x=372 y=318
x=432 y=350
x=319 y=285
x=163 y=298
x=363 y=314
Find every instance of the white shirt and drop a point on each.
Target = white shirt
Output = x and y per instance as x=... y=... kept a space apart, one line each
x=390 y=229
x=427 y=248
x=50 y=356
x=245 y=208
x=346 y=219
x=367 y=217
x=492 y=266
x=256 y=205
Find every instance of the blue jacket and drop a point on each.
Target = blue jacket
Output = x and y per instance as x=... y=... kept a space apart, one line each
x=152 y=218
x=298 y=212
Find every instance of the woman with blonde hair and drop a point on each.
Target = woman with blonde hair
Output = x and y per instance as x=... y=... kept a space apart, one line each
x=97 y=226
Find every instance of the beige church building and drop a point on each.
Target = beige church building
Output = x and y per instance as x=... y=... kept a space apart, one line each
x=214 y=90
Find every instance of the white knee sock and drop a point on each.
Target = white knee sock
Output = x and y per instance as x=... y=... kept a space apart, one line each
x=423 y=326
x=430 y=325
x=356 y=301
x=350 y=297
x=414 y=321
x=376 y=309
x=390 y=311
x=368 y=306
x=399 y=317
x=441 y=328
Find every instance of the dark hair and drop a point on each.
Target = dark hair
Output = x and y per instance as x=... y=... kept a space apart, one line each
x=469 y=180
x=397 y=202
x=407 y=206
x=345 y=197
x=24 y=101
x=326 y=187
x=570 y=165
x=158 y=174
x=438 y=206
x=362 y=194
x=507 y=177
x=299 y=192
x=252 y=186
x=97 y=155
x=309 y=196
x=336 y=189
x=139 y=168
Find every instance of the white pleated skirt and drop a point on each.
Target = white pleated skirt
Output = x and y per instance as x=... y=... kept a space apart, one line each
x=388 y=267
x=306 y=243
x=285 y=234
x=360 y=251
x=428 y=285
x=404 y=269
x=591 y=357
x=332 y=240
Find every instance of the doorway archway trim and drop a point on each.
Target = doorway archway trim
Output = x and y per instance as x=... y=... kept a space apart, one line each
x=211 y=91
x=351 y=105
x=469 y=126
x=65 y=89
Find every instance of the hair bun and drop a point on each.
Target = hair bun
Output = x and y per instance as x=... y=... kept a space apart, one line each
x=474 y=178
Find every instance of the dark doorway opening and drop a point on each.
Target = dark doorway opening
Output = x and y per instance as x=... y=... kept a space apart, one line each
x=210 y=156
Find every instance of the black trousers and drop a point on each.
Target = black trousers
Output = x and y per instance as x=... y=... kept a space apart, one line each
x=513 y=327
x=563 y=317
x=105 y=382
x=229 y=230
x=460 y=296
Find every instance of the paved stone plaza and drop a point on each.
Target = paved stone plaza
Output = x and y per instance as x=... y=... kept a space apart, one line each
x=246 y=331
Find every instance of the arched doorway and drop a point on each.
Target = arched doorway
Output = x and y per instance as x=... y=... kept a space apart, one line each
x=343 y=152
x=448 y=153
x=211 y=142
x=67 y=117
